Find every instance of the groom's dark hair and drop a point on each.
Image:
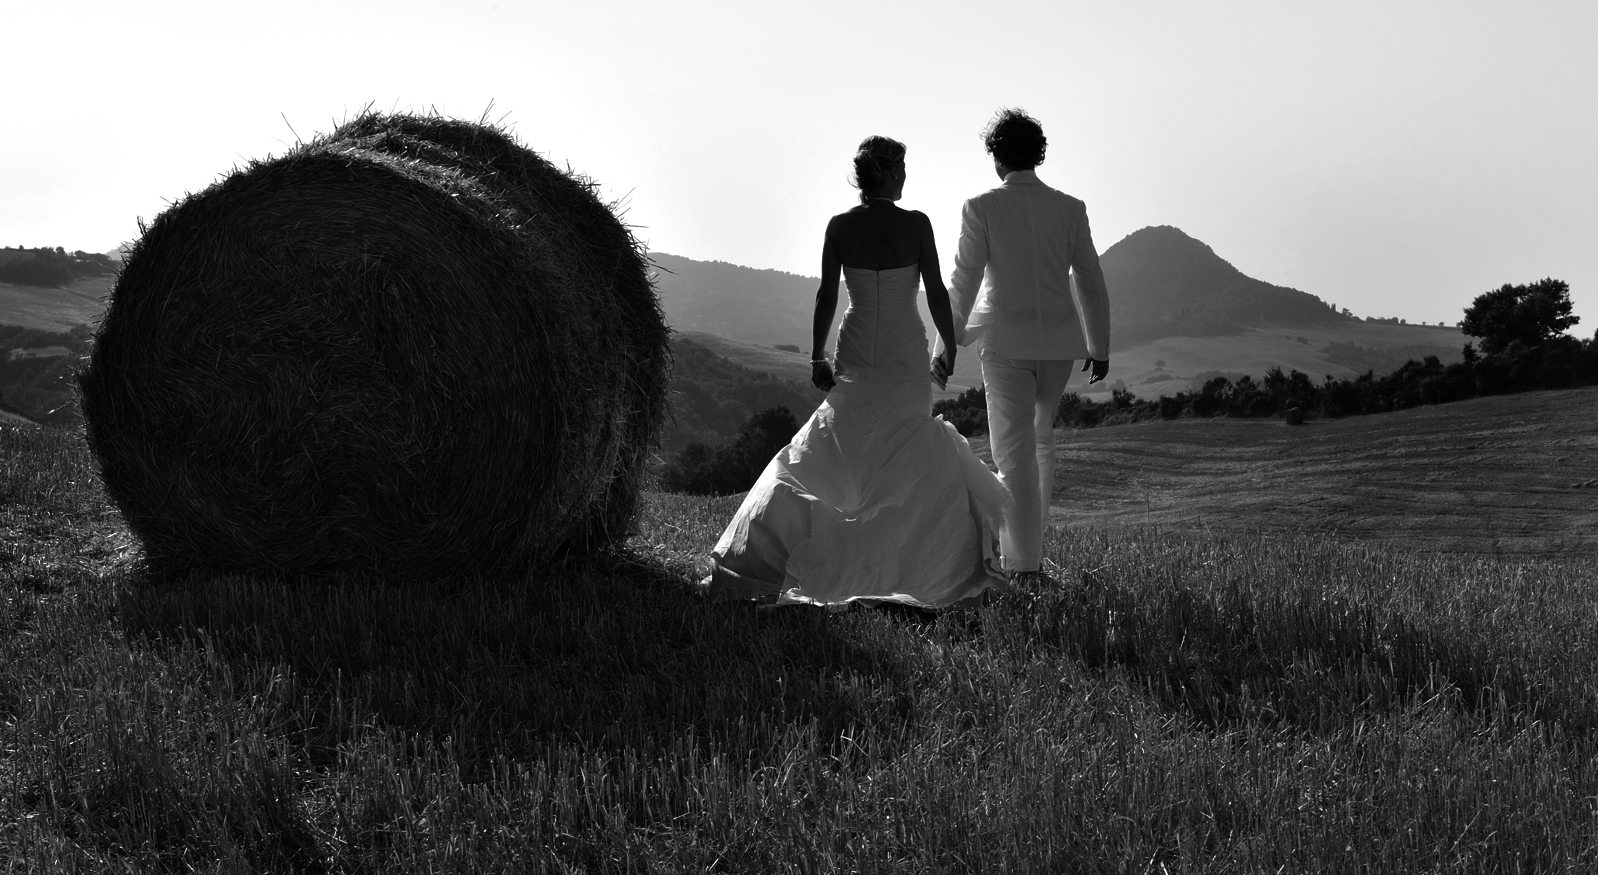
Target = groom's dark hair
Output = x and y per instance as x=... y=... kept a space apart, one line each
x=1016 y=139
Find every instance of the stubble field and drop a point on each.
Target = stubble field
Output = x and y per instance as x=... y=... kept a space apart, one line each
x=1508 y=475
x=1255 y=696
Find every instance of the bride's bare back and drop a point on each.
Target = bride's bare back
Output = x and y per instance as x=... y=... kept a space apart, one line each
x=879 y=236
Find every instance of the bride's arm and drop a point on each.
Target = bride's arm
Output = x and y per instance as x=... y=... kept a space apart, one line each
x=826 y=308
x=937 y=292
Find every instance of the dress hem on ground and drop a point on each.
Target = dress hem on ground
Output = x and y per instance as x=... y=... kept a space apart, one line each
x=875 y=499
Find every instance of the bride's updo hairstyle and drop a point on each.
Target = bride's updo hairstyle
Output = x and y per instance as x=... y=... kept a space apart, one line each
x=874 y=162
x=1016 y=139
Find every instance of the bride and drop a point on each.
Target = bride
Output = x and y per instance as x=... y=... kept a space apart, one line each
x=874 y=499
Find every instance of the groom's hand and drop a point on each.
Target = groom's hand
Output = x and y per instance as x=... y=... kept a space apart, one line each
x=1100 y=368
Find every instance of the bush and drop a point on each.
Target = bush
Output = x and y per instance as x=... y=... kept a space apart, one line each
x=735 y=466
x=967 y=412
x=1087 y=414
x=1212 y=398
x=1171 y=408
x=1070 y=403
x=37 y=269
x=967 y=421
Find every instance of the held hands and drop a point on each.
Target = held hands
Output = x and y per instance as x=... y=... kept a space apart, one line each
x=943 y=368
x=1100 y=368
x=821 y=375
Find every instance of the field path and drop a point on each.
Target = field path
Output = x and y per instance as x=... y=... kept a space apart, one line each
x=1513 y=475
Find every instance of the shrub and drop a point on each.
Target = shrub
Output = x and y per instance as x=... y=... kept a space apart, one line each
x=1085 y=413
x=1171 y=408
x=734 y=466
x=967 y=412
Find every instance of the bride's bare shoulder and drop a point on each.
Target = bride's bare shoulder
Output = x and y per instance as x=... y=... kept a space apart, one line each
x=846 y=220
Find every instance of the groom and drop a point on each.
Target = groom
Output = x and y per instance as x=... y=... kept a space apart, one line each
x=1012 y=286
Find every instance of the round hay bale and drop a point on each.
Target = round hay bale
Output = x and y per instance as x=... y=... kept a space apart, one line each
x=411 y=347
x=1295 y=415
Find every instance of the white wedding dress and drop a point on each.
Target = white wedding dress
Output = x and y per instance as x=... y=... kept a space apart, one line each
x=875 y=499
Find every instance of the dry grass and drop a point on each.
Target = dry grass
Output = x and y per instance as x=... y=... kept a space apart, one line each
x=410 y=348
x=1186 y=703
x=1510 y=474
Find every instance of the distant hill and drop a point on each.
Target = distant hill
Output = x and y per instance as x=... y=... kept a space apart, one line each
x=712 y=393
x=762 y=307
x=1164 y=283
x=55 y=308
x=52 y=268
x=52 y=289
x=785 y=364
x=1180 y=314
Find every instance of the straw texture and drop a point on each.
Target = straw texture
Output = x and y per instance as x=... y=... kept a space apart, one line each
x=411 y=347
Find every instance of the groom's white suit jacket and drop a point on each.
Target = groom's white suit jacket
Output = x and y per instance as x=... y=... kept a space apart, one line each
x=1013 y=282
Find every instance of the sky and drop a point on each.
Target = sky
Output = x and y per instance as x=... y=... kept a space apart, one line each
x=1394 y=158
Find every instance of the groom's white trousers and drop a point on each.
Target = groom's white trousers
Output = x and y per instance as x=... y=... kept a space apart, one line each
x=1023 y=399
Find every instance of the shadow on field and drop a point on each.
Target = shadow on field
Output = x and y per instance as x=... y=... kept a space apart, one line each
x=612 y=654
x=1316 y=662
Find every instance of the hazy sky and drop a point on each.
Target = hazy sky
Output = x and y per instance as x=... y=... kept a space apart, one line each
x=1396 y=158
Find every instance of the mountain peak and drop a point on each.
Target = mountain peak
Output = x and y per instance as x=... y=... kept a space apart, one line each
x=1174 y=250
x=1164 y=282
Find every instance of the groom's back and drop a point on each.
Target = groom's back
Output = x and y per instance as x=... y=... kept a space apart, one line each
x=1032 y=242
x=1026 y=238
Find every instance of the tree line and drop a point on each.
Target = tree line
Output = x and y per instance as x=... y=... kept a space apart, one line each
x=1520 y=329
x=51 y=267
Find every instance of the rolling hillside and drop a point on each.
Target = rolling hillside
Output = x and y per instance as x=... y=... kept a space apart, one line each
x=54 y=309
x=1510 y=474
x=761 y=307
x=1180 y=312
x=52 y=289
x=781 y=363
x=1181 y=315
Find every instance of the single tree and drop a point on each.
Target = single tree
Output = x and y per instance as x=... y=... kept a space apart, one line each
x=1527 y=313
